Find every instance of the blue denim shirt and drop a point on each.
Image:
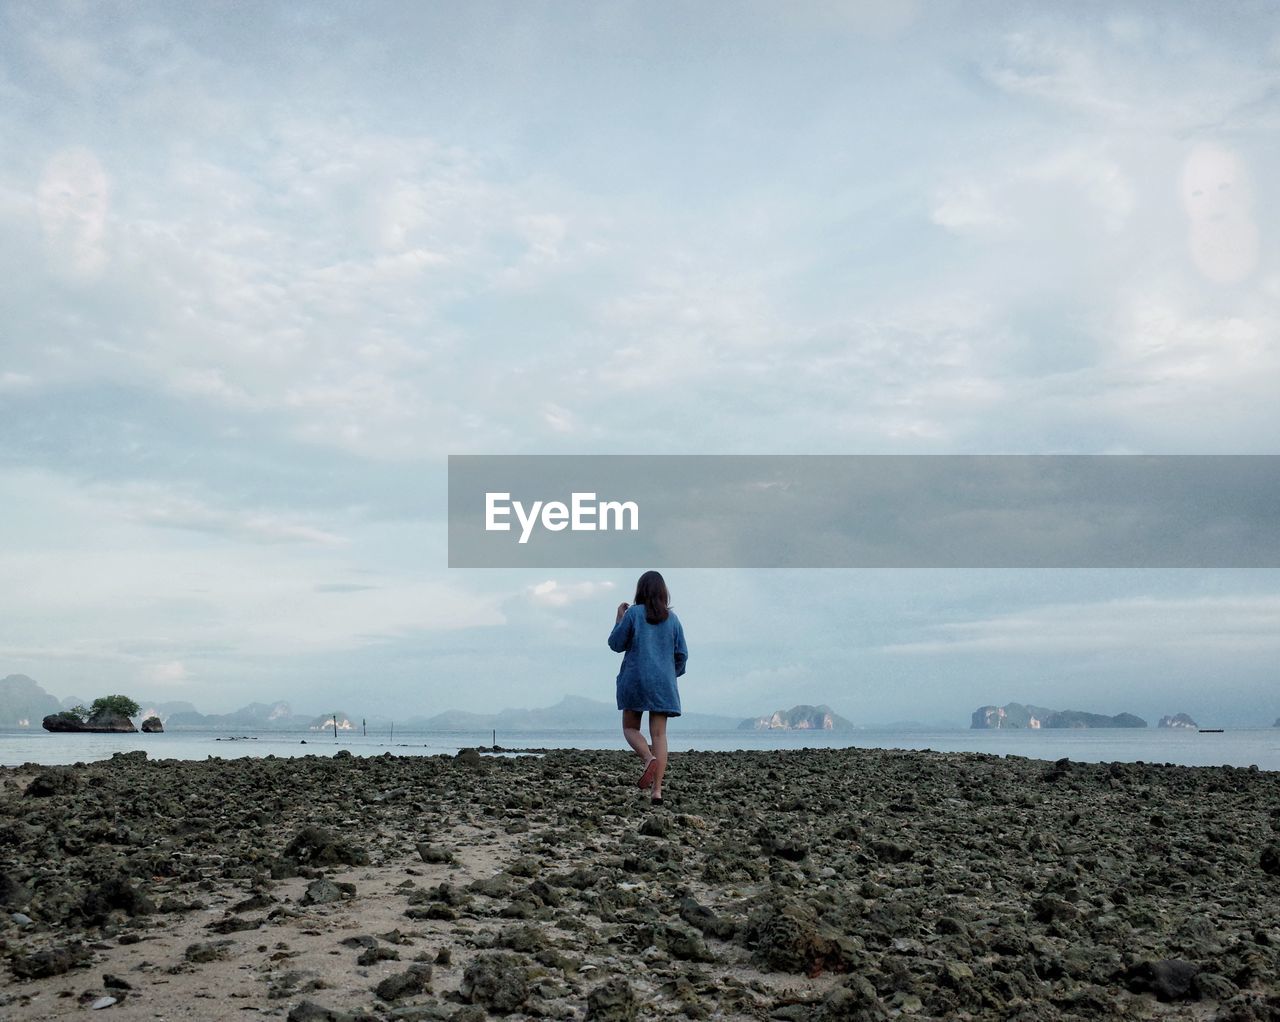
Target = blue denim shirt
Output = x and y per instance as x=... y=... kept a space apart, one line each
x=653 y=657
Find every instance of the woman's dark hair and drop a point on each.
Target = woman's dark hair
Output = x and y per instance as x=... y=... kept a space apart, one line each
x=651 y=591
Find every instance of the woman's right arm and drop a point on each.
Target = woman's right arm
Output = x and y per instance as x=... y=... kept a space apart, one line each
x=620 y=637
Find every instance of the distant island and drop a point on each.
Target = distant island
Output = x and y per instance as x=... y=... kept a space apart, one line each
x=108 y=715
x=1178 y=720
x=1020 y=715
x=799 y=718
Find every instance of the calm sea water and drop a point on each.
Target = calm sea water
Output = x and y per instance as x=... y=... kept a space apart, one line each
x=1242 y=747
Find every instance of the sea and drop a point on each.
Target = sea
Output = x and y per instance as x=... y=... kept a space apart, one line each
x=1239 y=747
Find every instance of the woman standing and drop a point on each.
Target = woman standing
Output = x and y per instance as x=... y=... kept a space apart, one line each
x=651 y=640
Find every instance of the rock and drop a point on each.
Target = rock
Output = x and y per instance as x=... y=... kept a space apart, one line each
x=469 y=758
x=1250 y=1007
x=705 y=920
x=115 y=894
x=431 y=1011
x=892 y=851
x=521 y=938
x=658 y=824
x=234 y=924
x=1178 y=720
x=53 y=782
x=612 y=1001
x=434 y=854
x=315 y=846
x=309 y=1011
x=374 y=955
x=853 y=1000
x=686 y=945
x=207 y=951
x=20 y=919
x=103 y=1002
x=153 y=726
x=1270 y=860
x=1049 y=908
x=115 y=982
x=957 y=974
x=1170 y=979
x=787 y=848
x=417 y=980
x=496 y=980
x=498 y=886
x=105 y=722
x=322 y=892
x=1215 y=987
x=54 y=962
x=786 y=937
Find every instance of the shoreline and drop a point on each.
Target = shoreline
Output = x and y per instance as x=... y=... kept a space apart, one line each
x=1239 y=747
x=792 y=884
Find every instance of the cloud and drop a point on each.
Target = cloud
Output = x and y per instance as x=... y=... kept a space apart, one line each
x=1217 y=195
x=1119 y=72
x=168 y=673
x=558 y=418
x=156 y=504
x=72 y=201
x=1018 y=197
x=560 y=594
x=1218 y=624
x=12 y=381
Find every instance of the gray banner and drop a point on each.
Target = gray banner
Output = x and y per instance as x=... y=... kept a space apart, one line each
x=864 y=511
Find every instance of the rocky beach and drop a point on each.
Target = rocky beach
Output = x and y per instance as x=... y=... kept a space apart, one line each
x=808 y=884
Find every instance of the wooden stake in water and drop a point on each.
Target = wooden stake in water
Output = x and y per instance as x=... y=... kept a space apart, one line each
x=393 y=730
x=335 y=723
x=495 y=738
x=364 y=727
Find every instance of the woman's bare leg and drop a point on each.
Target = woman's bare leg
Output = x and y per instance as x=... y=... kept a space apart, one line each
x=631 y=732
x=658 y=743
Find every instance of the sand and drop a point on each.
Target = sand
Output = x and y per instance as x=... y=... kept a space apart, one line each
x=798 y=885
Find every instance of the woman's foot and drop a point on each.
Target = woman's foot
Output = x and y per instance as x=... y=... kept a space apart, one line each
x=650 y=772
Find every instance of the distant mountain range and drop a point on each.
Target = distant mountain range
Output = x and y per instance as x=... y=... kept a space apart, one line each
x=1020 y=715
x=23 y=703
x=572 y=713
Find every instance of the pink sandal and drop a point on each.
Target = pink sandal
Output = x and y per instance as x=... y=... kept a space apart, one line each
x=650 y=772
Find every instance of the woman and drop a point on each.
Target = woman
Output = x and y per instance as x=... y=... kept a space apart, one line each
x=651 y=640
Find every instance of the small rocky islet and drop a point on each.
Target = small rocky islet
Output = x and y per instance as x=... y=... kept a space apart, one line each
x=791 y=885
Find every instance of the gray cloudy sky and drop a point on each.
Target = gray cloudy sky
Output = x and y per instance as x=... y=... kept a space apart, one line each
x=263 y=266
